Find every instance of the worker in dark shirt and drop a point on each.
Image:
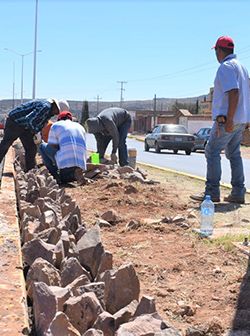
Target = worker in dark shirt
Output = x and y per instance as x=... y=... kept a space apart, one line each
x=111 y=124
x=24 y=122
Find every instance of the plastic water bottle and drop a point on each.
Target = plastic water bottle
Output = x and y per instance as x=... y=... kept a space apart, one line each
x=207 y=216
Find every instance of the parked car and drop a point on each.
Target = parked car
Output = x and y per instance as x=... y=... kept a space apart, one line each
x=201 y=138
x=169 y=136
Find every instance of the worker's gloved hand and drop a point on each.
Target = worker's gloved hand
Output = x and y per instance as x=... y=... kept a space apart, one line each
x=114 y=158
x=37 y=138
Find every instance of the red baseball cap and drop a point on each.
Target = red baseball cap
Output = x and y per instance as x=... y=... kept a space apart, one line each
x=224 y=42
x=64 y=115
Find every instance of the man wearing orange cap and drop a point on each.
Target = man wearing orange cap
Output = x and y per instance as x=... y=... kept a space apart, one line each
x=66 y=150
x=231 y=113
x=24 y=122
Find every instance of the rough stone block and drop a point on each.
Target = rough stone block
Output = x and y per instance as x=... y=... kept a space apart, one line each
x=83 y=311
x=44 y=307
x=121 y=287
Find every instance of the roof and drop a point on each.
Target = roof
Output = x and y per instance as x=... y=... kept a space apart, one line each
x=185 y=112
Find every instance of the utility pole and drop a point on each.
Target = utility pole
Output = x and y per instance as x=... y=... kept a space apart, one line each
x=97 y=103
x=154 y=110
x=122 y=89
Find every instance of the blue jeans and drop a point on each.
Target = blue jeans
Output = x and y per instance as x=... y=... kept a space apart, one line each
x=63 y=175
x=230 y=142
x=48 y=155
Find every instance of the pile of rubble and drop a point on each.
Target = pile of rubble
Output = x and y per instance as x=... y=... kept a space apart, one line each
x=72 y=287
x=110 y=171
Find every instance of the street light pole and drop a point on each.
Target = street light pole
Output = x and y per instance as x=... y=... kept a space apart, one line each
x=22 y=66
x=35 y=51
x=22 y=62
x=22 y=80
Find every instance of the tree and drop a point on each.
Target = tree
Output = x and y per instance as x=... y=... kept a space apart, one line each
x=85 y=112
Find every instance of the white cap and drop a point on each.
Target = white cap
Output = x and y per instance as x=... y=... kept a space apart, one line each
x=64 y=105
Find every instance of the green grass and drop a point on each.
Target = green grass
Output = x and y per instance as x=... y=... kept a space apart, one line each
x=227 y=241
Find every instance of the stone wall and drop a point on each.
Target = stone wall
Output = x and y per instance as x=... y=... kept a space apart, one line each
x=72 y=287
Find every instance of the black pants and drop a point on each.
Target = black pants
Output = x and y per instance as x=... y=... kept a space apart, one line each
x=13 y=131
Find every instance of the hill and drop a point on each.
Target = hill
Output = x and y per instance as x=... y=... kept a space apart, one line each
x=162 y=104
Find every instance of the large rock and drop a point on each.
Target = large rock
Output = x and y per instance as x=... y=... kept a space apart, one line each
x=70 y=270
x=145 y=306
x=106 y=323
x=29 y=231
x=124 y=315
x=61 y=326
x=62 y=294
x=31 y=210
x=95 y=287
x=83 y=311
x=121 y=287
x=90 y=250
x=49 y=219
x=143 y=325
x=37 y=248
x=42 y=271
x=44 y=307
x=50 y=235
x=82 y=280
x=106 y=263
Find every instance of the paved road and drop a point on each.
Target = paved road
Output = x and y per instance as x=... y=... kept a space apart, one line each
x=194 y=164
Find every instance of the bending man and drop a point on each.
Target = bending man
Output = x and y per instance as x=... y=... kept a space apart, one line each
x=111 y=124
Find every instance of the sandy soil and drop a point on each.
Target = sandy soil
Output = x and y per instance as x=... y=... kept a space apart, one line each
x=196 y=282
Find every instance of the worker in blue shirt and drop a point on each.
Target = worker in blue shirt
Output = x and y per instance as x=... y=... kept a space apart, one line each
x=24 y=122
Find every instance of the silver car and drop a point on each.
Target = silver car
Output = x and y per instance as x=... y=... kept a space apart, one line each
x=169 y=136
x=201 y=138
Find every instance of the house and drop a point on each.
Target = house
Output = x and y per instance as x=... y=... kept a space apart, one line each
x=193 y=122
x=144 y=120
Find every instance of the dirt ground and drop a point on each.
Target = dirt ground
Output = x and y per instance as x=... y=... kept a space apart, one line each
x=196 y=282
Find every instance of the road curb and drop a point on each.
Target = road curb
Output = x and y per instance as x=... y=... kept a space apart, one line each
x=225 y=185
x=13 y=310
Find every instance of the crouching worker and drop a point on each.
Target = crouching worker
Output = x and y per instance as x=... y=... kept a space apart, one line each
x=111 y=124
x=24 y=122
x=65 y=153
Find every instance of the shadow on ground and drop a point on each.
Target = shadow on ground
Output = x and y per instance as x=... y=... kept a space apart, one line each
x=241 y=321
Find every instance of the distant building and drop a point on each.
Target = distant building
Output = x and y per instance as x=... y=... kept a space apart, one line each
x=206 y=104
x=144 y=120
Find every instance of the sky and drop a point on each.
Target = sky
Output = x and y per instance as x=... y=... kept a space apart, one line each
x=86 y=48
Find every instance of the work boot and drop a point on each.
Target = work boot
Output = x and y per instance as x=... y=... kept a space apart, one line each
x=200 y=197
x=234 y=199
x=79 y=177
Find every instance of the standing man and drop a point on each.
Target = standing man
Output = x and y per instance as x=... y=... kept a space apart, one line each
x=231 y=113
x=24 y=122
x=66 y=150
x=111 y=124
